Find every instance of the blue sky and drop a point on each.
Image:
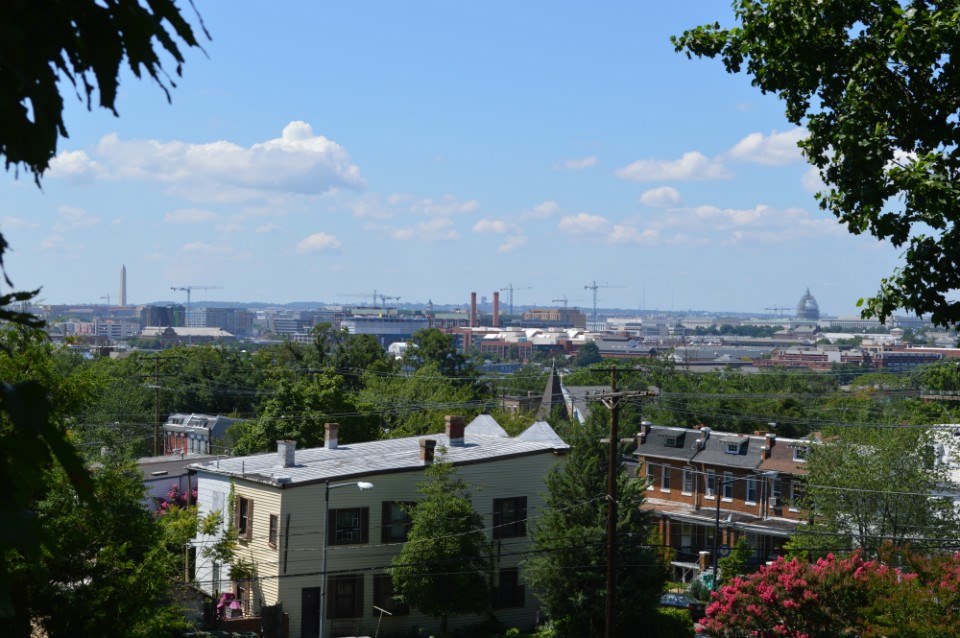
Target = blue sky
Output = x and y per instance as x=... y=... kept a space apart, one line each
x=425 y=150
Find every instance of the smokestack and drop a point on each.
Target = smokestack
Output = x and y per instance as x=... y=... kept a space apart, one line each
x=286 y=453
x=330 y=436
x=473 y=310
x=427 y=447
x=496 y=308
x=455 y=428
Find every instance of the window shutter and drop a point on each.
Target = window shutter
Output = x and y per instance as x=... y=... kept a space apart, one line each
x=385 y=511
x=522 y=516
x=331 y=530
x=364 y=524
x=249 y=533
x=497 y=517
x=236 y=513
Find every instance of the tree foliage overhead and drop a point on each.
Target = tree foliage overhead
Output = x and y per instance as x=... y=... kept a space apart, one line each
x=441 y=569
x=44 y=42
x=877 y=85
x=567 y=570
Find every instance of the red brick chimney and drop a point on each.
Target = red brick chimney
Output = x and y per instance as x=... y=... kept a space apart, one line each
x=769 y=440
x=473 y=310
x=496 y=309
x=427 y=446
x=455 y=428
x=286 y=453
x=330 y=436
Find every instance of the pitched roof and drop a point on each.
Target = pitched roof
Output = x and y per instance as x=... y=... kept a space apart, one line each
x=552 y=395
x=484 y=425
x=542 y=433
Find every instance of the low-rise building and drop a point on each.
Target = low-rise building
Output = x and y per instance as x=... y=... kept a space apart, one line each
x=286 y=514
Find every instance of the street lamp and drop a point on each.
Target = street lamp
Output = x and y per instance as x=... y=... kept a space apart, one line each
x=772 y=474
x=363 y=485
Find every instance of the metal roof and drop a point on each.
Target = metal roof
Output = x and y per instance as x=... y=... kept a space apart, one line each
x=373 y=457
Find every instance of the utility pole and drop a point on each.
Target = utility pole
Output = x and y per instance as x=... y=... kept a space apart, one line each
x=613 y=400
x=156 y=400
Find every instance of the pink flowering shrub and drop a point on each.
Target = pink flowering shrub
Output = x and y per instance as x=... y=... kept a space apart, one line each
x=842 y=596
x=175 y=497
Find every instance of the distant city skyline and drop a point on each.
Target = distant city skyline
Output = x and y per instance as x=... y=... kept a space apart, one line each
x=321 y=151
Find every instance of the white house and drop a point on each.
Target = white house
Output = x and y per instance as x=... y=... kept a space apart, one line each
x=277 y=502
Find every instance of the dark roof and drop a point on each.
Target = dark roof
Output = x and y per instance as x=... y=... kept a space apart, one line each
x=670 y=443
x=552 y=395
x=715 y=451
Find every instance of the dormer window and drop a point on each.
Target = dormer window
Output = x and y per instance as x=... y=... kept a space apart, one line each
x=800 y=454
x=675 y=440
x=734 y=447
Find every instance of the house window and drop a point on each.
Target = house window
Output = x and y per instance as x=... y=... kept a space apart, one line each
x=665 y=478
x=384 y=597
x=796 y=495
x=727 y=486
x=775 y=492
x=244 y=518
x=509 y=592
x=711 y=484
x=349 y=526
x=510 y=517
x=687 y=480
x=733 y=448
x=346 y=596
x=751 y=490
x=651 y=477
x=800 y=454
x=396 y=521
x=274 y=530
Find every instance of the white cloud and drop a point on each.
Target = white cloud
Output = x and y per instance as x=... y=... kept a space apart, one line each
x=498 y=226
x=297 y=163
x=692 y=166
x=16 y=223
x=317 y=242
x=438 y=229
x=662 y=197
x=579 y=163
x=775 y=149
x=189 y=216
x=511 y=243
x=202 y=248
x=266 y=228
x=811 y=181
x=71 y=217
x=446 y=205
x=624 y=234
x=231 y=228
x=584 y=224
x=544 y=210
x=75 y=166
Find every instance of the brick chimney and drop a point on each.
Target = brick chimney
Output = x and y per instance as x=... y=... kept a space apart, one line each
x=330 y=436
x=455 y=427
x=496 y=309
x=427 y=446
x=473 y=310
x=644 y=432
x=704 y=436
x=769 y=440
x=286 y=453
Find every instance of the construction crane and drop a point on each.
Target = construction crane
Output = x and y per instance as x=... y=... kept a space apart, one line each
x=778 y=309
x=189 y=289
x=375 y=296
x=594 y=287
x=564 y=301
x=511 y=288
x=107 y=297
x=385 y=298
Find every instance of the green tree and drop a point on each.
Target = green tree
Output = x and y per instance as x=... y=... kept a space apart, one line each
x=441 y=569
x=587 y=355
x=735 y=563
x=868 y=486
x=567 y=569
x=105 y=571
x=875 y=85
x=430 y=346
